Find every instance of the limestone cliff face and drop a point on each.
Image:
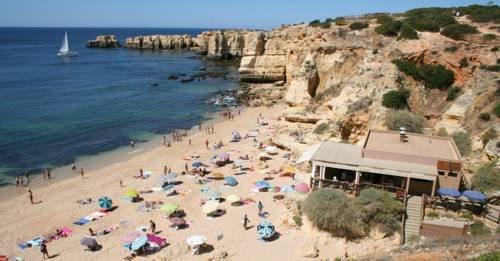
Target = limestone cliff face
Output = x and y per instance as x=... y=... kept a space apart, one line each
x=159 y=42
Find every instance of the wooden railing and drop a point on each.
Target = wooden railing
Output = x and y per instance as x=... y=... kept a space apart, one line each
x=402 y=239
x=399 y=193
x=487 y=211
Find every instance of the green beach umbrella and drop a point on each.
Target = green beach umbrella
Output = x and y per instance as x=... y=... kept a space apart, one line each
x=169 y=208
x=105 y=202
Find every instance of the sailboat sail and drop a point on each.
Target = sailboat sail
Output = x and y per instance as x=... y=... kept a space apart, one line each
x=64 y=45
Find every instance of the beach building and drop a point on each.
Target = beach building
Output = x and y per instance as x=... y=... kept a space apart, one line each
x=401 y=162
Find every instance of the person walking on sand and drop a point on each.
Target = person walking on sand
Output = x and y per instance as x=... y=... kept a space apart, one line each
x=30 y=195
x=152 y=226
x=27 y=174
x=206 y=143
x=81 y=172
x=245 y=222
x=121 y=183
x=141 y=173
x=49 y=173
x=44 y=173
x=186 y=167
x=164 y=141
x=260 y=207
x=165 y=170
x=189 y=142
x=43 y=249
x=17 y=181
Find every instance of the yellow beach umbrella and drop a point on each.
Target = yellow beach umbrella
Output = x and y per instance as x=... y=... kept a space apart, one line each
x=289 y=169
x=217 y=175
x=233 y=198
x=169 y=208
x=131 y=193
x=210 y=206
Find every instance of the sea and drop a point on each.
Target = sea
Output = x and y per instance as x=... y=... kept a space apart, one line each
x=54 y=110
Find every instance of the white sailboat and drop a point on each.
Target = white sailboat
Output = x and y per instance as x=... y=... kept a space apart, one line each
x=64 y=50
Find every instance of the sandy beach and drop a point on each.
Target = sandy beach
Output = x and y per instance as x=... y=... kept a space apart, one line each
x=58 y=207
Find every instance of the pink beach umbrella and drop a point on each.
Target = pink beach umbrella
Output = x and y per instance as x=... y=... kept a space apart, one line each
x=130 y=237
x=302 y=188
x=224 y=156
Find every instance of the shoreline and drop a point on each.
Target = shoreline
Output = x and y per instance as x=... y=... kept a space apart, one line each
x=100 y=160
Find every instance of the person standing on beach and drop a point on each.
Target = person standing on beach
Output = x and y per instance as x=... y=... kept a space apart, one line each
x=260 y=207
x=213 y=129
x=44 y=173
x=206 y=143
x=189 y=142
x=81 y=172
x=27 y=174
x=245 y=222
x=152 y=226
x=30 y=195
x=43 y=249
x=49 y=173
x=121 y=183
x=141 y=173
x=164 y=141
x=165 y=169
x=186 y=167
x=17 y=181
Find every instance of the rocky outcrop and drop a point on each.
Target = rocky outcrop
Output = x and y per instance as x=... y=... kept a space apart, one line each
x=104 y=41
x=304 y=84
x=160 y=42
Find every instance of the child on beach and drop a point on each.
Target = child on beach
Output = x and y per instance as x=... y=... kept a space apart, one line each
x=245 y=222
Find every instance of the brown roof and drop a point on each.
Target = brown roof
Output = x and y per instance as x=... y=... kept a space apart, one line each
x=422 y=149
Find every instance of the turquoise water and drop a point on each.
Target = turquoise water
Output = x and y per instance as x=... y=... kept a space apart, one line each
x=54 y=109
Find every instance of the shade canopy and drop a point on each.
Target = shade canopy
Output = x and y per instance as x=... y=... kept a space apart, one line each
x=169 y=208
x=474 y=195
x=265 y=230
x=210 y=206
x=449 y=192
x=131 y=193
x=196 y=240
x=88 y=242
x=231 y=181
x=233 y=198
x=105 y=202
x=302 y=188
x=138 y=243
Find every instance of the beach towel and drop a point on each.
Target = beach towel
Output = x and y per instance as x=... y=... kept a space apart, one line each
x=66 y=231
x=157 y=240
x=81 y=222
x=37 y=241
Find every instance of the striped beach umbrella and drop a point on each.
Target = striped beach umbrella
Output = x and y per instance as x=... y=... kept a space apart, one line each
x=105 y=202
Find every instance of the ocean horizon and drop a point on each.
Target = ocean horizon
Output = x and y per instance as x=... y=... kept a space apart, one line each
x=55 y=109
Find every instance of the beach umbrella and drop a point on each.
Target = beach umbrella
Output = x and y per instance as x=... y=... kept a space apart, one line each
x=138 y=243
x=224 y=156
x=168 y=177
x=288 y=189
x=233 y=198
x=210 y=206
x=130 y=237
x=88 y=242
x=231 y=181
x=474 y=195
x=197 y=164
x=131 y=193
x=289 y=169
x=449 y=192
x=105 y=202
x=196 y=240
x=177 y=221
x=302 y=188
x=265 y=230
x=169 y=208
x=262 y=184
x=217 y=175
x=213 y=195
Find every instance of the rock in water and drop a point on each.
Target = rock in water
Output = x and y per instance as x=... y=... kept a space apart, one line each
x=104 y=41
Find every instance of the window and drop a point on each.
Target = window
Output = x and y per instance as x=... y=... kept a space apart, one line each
x=441 y=173
x=452 y=174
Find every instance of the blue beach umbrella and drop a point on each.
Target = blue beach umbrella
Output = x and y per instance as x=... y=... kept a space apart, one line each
x=474 y=195
x=105 y=202
x=138 y=243
x=265 y=230
x=231 y=181
x=197 y=164
x=212 y=195
x=449 y=192
x=262 y=184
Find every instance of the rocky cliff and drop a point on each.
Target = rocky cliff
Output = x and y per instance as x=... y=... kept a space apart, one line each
x=104 y=41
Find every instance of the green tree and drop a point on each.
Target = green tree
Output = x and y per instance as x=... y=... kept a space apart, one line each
x=396 y=99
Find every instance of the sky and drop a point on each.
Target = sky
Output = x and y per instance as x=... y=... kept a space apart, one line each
x=253 y=14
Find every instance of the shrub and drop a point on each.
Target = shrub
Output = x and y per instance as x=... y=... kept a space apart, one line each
x=490 y=134
x=358 y=26
x=432 y=214
x=482 y=13
x=453 y=93
x=429 y=19
x=494 y=49
x=389 y=29
x=379 y=208
x=321 y=128
x=396 y=99
x=316 y=22
x=490 y=256
x=487 y=178
x=382 y=19
x=497 y=110
x=406 y=32
x=492 y=68
x=464 y=62
x=451 y=49
x=463 y=142
x=489 y=37
x=298 y=220
x=458 y=31
x=479 y=229
x=485 y=116
x=412 y=122
x=332 y=211
x=442 y=132
x=433 y=76
x=340 y=21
